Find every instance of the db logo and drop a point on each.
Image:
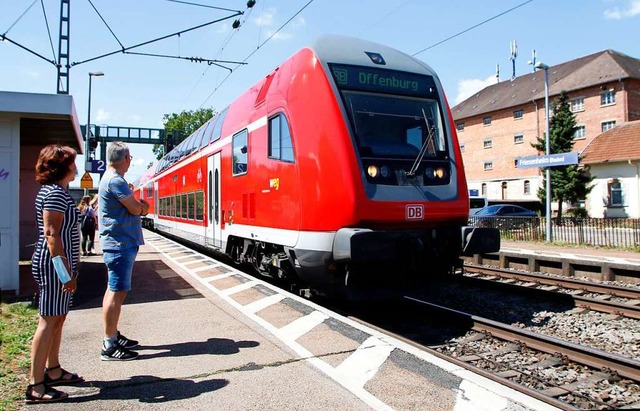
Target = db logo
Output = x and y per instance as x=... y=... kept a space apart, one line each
x=414 y=212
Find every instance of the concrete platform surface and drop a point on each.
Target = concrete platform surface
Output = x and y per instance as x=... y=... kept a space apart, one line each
x=214 y=338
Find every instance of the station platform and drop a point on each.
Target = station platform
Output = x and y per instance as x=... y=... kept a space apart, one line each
x=214 y=338
x=579 y=252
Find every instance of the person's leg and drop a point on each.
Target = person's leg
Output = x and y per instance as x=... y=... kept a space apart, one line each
x=111 y=308
x=120 y=268
x=92 y=235
x=40 y=349
x=83 y=243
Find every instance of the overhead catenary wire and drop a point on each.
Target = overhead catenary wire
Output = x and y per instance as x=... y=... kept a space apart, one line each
x=471 y=28
x=46 y=23
x=199 y=5
x=19 y=18
x=106 y=24
x=225 y=42
x=257 y=48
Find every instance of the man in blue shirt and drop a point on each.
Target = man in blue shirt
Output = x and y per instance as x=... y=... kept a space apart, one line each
x=120 y=237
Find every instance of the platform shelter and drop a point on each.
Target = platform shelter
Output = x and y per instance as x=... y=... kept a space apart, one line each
x=28 y=122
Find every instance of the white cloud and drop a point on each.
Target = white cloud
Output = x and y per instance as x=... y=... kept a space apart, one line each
x=468 y=87
x=139 y=162
x=630 y=9
x=266 y=18
x=281 y=35
x=299 y=22
x=102 y=116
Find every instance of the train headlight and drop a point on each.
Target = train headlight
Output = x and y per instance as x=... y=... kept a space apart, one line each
x=373 y=171
x=438 y=172
x=384 y=171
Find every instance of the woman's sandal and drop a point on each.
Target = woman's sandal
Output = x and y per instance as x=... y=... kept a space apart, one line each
x=72 y=378
x=49 y=395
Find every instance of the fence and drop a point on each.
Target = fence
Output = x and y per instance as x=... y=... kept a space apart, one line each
x=603 y=232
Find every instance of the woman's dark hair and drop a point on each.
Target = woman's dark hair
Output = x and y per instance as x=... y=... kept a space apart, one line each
x=54 y=163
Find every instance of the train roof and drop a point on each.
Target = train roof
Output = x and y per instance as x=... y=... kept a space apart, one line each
x=349 y=50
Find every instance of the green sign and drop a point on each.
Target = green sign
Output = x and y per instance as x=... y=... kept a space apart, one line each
x=383 y=81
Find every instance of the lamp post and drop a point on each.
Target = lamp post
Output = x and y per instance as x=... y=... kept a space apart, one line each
x=542 y=66
x=87 y=164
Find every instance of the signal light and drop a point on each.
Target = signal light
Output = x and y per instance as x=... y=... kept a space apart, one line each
x=168 y=143
x=93 y=143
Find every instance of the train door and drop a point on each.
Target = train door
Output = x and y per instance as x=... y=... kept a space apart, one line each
x=213 y=201
x=156 y=202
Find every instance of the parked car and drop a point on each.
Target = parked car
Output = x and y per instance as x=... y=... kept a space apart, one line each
x=506 y=216
x=476 y=203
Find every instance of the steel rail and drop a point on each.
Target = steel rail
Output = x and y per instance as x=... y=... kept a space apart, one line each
x=592 y=357
x=533 y=393
x=559 y=281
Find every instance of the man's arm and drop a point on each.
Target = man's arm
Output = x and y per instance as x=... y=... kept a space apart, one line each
x=134 y=206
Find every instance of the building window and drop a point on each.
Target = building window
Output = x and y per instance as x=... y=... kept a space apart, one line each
x=483 y=189
x=462 y=148
x=517 y=114
x=488 y=143
x=614 y=187
x=488 y=165
x=486 y=121
x=577 y=104
x=608 y=98
x=527 y=187
x=460 y=126
x=580 y=133
x=518 y=139
x=608 y=125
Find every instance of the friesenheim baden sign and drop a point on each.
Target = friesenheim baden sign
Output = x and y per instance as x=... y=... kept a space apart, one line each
x=552 y=160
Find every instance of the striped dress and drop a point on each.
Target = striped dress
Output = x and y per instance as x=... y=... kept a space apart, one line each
x=52 y=300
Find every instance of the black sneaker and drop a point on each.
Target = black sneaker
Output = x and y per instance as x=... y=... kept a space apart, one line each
x=117 y=353
x=125 y=342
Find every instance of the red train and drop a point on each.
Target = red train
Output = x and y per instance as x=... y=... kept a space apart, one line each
x=341 y=169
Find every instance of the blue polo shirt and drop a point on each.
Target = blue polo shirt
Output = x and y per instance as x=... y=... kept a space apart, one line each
x=119 y=229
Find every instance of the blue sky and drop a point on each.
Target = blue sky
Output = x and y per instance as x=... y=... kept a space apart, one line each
x=137 y=91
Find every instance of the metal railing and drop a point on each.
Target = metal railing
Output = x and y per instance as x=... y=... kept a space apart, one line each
x=600 y=232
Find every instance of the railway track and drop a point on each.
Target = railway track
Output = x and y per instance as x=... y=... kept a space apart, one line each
x=487 y=343
x=605 y=298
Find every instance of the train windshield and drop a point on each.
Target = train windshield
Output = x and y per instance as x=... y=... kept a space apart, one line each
x=395 y=126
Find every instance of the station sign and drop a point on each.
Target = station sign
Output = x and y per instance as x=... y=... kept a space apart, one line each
x=98 y=166
x=86 y=181
x=552 y=160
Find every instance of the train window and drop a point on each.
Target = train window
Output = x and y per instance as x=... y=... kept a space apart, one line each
x=183 y=207
x=172 y=206
x=396 y=126
x=200 y=206
x=240 y=153
x=280 y=145
x=191 y=202
x=217 y=131
x=207 y=133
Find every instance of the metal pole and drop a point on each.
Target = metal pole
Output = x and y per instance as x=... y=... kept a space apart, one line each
x=549 y=235
x=87 y=159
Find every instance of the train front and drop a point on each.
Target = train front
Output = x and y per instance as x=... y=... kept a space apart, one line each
x=410 y=208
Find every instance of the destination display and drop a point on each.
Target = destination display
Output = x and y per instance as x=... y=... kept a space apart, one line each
x=379 y=80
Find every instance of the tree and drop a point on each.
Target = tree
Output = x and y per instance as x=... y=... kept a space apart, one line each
x=183 y=125
x=568 y=183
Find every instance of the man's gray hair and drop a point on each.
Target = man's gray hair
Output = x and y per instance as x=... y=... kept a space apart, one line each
x=117 y=152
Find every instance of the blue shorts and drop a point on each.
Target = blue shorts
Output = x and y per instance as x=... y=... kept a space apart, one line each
x=120 y=267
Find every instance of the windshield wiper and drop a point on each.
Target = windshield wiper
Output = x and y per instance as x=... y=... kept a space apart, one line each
x=425 y=146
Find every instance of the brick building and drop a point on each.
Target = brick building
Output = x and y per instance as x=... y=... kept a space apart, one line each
x=499 y=123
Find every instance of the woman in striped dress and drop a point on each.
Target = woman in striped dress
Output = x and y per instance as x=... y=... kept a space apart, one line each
x=58 y=236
